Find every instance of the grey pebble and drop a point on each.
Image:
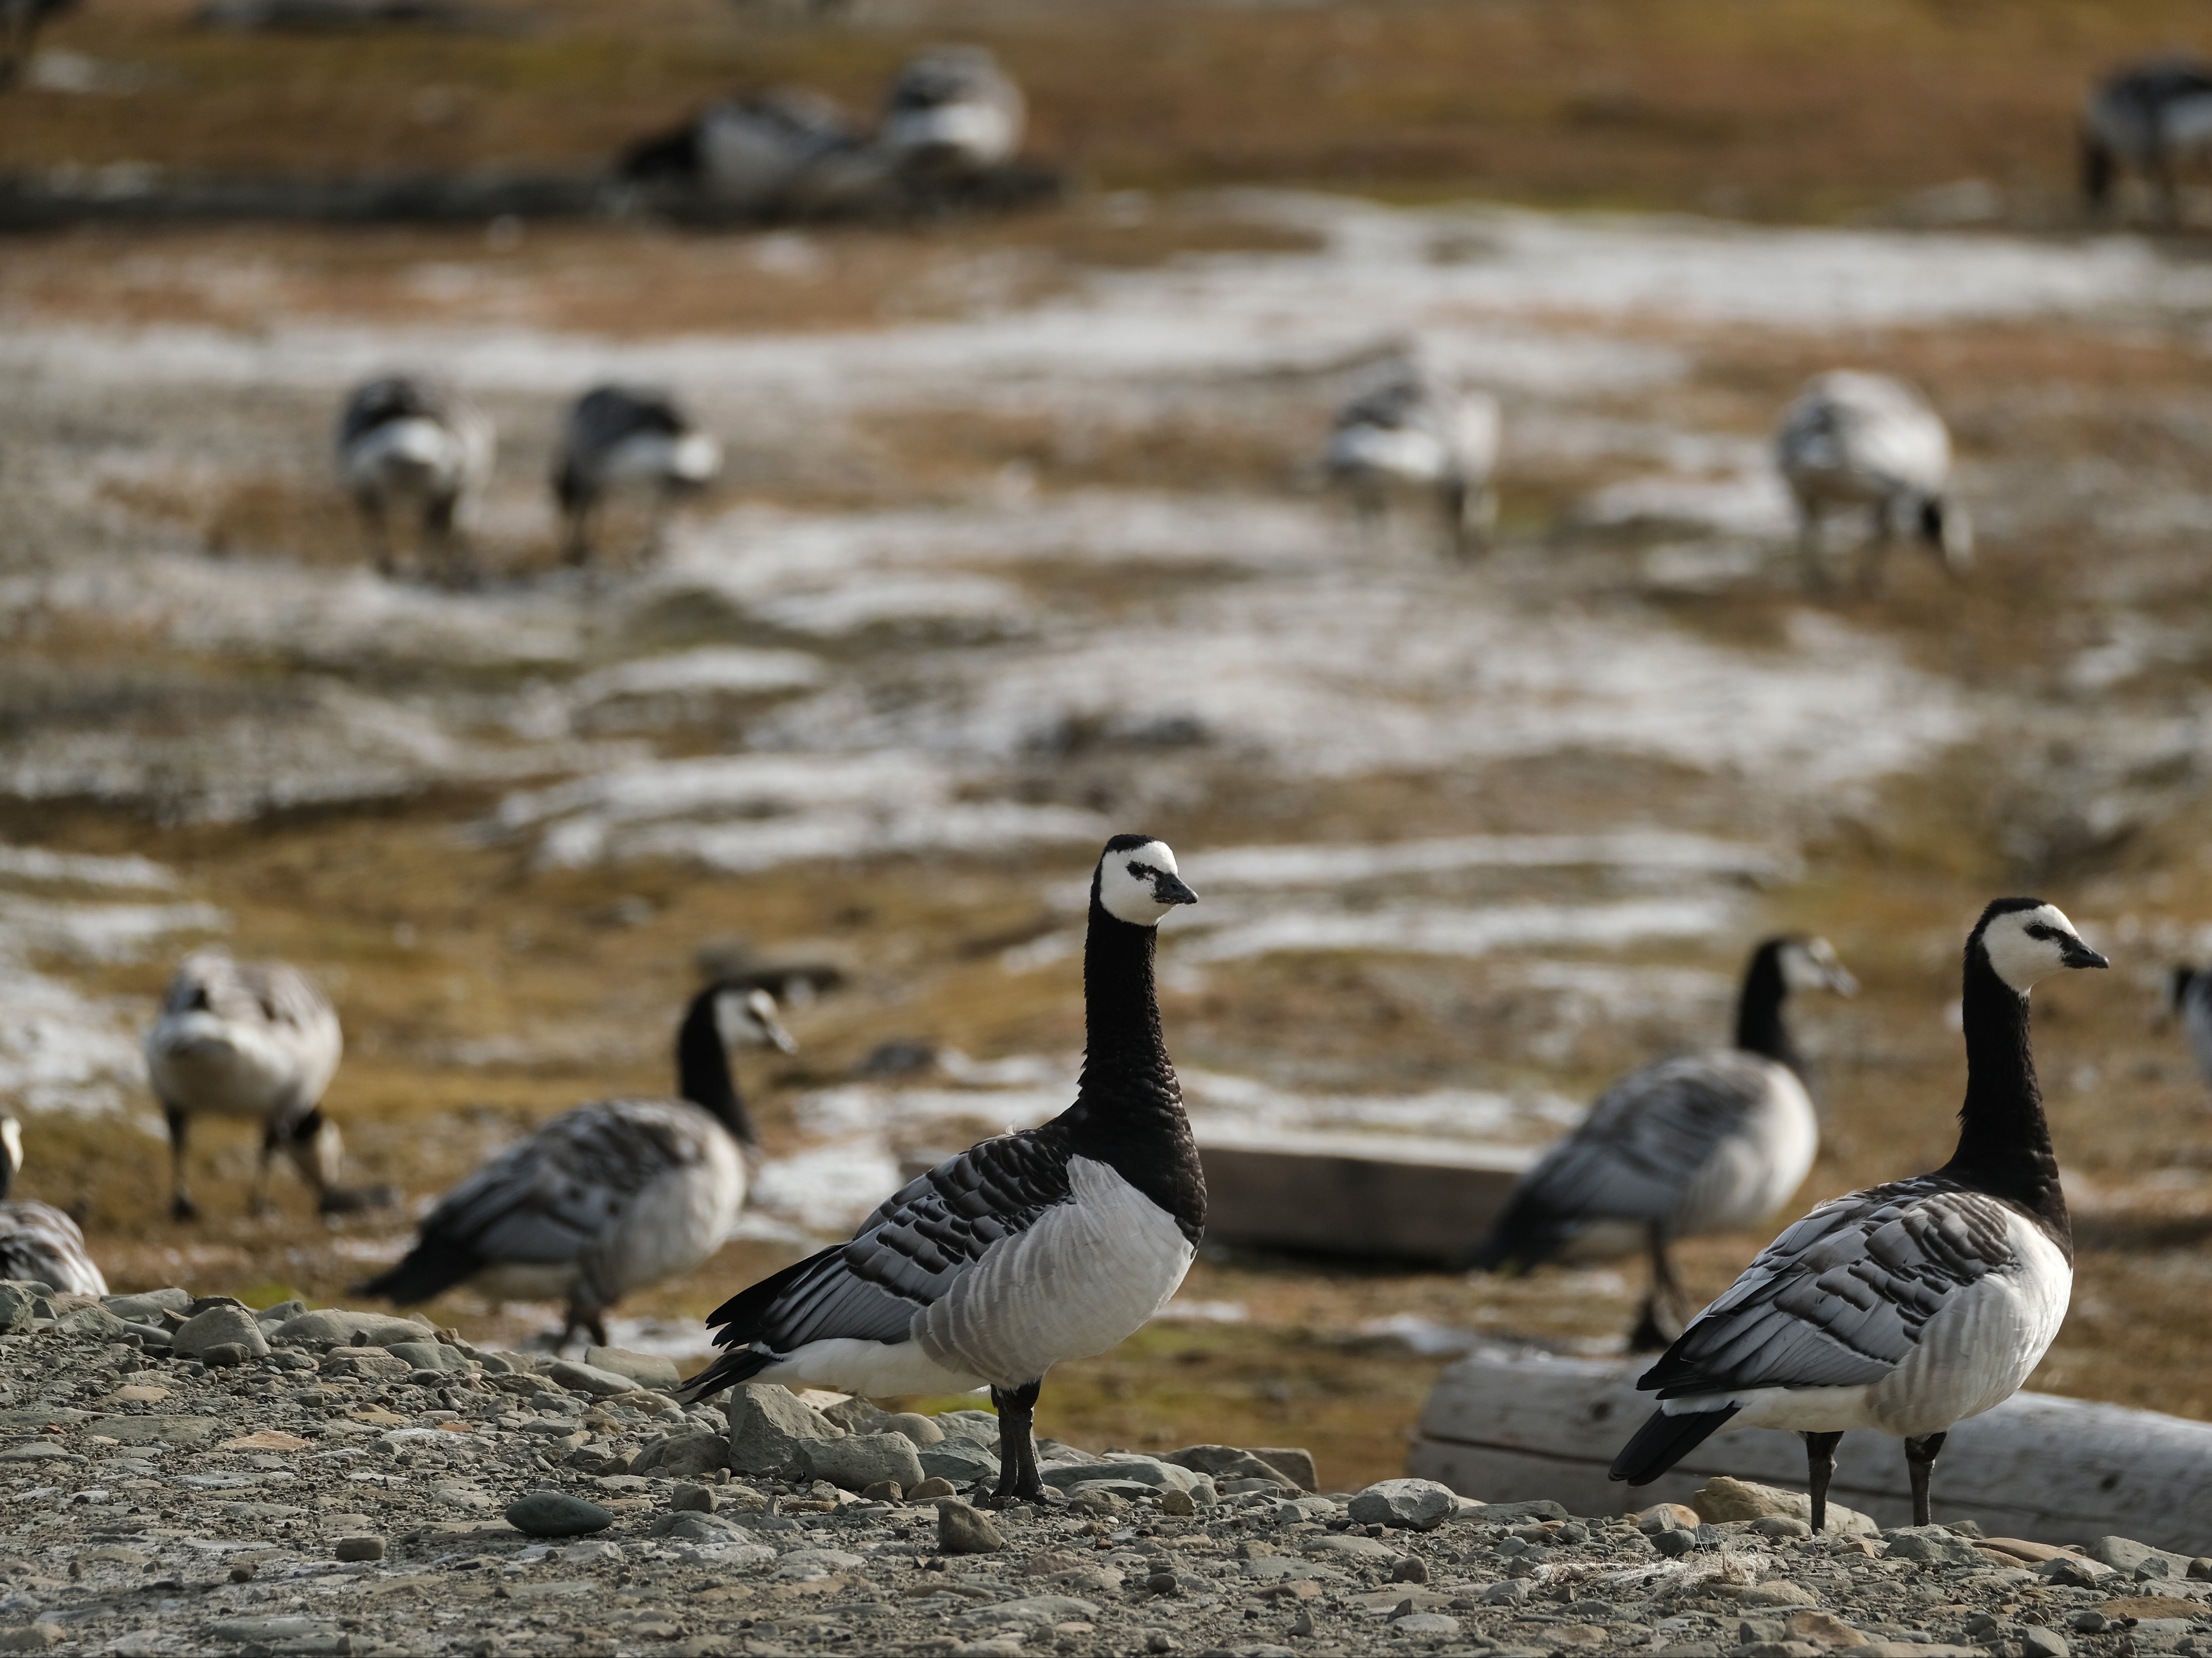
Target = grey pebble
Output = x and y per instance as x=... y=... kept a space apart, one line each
x=557 y=1513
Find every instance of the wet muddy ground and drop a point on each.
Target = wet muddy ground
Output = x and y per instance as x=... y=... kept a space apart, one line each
x=1021 y=543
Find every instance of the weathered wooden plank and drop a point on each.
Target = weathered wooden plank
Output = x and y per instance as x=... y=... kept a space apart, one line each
x=1506 y=1424
x=1354 y=1195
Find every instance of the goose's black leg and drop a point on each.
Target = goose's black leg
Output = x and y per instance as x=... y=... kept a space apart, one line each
x=1017 y=1459
x=181 y=1207
x=1820 y=1464
x=1919 y=1459
x=1660 y=1323
x=258 y=1204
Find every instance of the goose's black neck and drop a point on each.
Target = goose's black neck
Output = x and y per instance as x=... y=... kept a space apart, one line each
x=2004 y=1142
x=1758 y=1026
x=702 y=1068
x=1129 y=1107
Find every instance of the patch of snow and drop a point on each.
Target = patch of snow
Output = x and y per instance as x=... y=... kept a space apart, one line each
x=80 y=869
x=1431 y=930
x=1312 y=865
x=726 y=668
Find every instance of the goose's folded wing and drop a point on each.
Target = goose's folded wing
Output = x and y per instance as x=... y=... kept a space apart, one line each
x=1636 y=1153
x=909 y=1253
x=40 y=1244
x=1840 y=1299
x=541 y=1199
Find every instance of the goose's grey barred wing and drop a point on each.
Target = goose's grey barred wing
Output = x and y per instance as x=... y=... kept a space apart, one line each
x=39 y=1244
x=909 y=1253
x=541 y=1200
x=1636 y=1153
x=1841 y=1298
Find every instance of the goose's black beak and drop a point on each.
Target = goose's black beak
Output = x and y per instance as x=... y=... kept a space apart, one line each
x=1169 y=890
x=2075 y=953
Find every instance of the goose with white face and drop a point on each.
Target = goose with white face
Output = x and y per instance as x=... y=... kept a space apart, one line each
x=1138 y=883
x=1812 y=964
x=2023 y=946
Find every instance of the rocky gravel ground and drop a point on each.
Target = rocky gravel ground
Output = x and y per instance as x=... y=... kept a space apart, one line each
x=185 y=1475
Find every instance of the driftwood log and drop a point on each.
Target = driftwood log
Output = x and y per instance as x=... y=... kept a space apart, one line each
x=1505 y=1424
x=1383 y=1195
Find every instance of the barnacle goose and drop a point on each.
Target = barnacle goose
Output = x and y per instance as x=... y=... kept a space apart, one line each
x=253 y=1040
x=1701 y=1143
x=619 y=435
x=952 y=110
x=39 y=1244
x=1859 y=440
x=1408 y=434
x=1032 y=1248
x=608 y=1197
x=2145 y=117
x=751 y=153
x=2189 y=999
x=403 y=443
x=1908 y=1307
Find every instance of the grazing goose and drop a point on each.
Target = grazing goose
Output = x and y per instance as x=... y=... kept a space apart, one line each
x=952 y=111
x=1703 y=1143
x=1908 y=1307
x=2189 y=999
x=2146 y=117
x=605 y=1199
x=750 y=153
x=252 y=1040
x=624 y=435
x=404 y=443
x=1408 y=434
x=1858 y=440
x=39 y=1244
x=1032 y=1248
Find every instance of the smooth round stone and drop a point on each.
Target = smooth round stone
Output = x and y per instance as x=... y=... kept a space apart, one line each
x=557 y=1513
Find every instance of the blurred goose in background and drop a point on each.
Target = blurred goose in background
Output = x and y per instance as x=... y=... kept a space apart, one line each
x=756 y=152
x=1908 y=1307
x=1030 y=1248
x=618 y=437
x=1702 y=1143
x=404 y=444
x=609 y=1197
x=2145 y=118
x=952 y=110
x=2189 y=999
x=39 y=1244
x=20 y=23
x=1409 y=434
x=252 y=1040
x=1858 y=439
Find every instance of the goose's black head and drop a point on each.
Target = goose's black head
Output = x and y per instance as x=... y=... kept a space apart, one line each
x=1136 y=881
x=2024 y=939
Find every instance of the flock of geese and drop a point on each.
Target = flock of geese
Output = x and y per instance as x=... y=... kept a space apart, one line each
x=1902 y=1310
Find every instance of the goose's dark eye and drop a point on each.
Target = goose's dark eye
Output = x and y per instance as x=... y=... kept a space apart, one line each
x=2036 y=929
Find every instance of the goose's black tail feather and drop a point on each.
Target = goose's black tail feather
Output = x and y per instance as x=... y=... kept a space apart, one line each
x=1665 y=1440
x=737 y=1324
x=1526 y=1236
x=729 y=1368
x=430 y=1268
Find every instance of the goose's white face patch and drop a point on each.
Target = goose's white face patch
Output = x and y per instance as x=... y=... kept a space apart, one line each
x=752 y=1018
x=2024 y=945
x=11 y=1139
x=1129 y=882
x=1812 y=964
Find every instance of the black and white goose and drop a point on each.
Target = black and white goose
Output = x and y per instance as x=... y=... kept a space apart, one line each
x=1909 y=1307
x=1409 y=434
x=2189 y=999
x=2146 y=117
x=952 y=110
x=1698 y=1143
x=608 y=1197
x=403 y=444
x=755 y=153
x=618 y=437
x=253 y=1040
x=39 y=1244
x=1030 y=1248
x=1859 y=440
